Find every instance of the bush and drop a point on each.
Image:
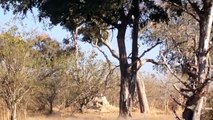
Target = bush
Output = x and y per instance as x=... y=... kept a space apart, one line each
x=208 y=114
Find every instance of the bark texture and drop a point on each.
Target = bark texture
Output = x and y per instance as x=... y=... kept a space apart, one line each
x=143 y=102
x=135 y=81
x=124 y=88
x=129 y=77
x=195 y=102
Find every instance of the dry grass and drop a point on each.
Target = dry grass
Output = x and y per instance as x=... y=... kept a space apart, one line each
x=104 y=116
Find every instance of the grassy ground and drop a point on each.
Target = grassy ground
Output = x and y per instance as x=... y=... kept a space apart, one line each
x=104 y=116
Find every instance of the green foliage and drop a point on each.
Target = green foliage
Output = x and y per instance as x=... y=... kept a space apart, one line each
x=180 y=39
x=40 y=74
x=86 y=81
x=50 y=65
x=60 y=81
x=95 y=16
x=16 y=74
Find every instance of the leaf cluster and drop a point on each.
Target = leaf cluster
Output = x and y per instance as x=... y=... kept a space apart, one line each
x=95 y=16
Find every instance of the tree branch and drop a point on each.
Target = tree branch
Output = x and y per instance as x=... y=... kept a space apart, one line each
x=195 y=43
x=176 y=115
x=172 y=72
x=176 y=101
x=110 y=73
x=210 y=48
x=177 y=45
x=142 y=62
x=18 y=100
x=184 y=95
x=108 y=61
x=110 y=49
x=184 y=9
x=147 y=50
x=205 y=83
x=108 y=21
x=195 y=7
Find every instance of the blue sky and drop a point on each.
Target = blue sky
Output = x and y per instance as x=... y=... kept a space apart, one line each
x=58 y=33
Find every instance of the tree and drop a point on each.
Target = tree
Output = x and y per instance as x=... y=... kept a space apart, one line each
x=60 y=81
x=17 y=73
x=195 y=64
x=85 y=84
x=106 y=14
x=51 y=66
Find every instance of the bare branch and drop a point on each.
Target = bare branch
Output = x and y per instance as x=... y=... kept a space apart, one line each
x=171 y=71
x=154 y=62
x=184 y=95
x=176 y=115
x=176 y=101
x=142 y=62
x=177 y=44
x=210 y=48
x=195 y=44
x=23 y=94
x=108 y=61
x=147 y=50
x=129 y=56
x=110 y=72
x=110 y=49
x=205 y=83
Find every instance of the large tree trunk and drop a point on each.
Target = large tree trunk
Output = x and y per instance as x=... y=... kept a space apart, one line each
x=134 y=69
x=195 y=102
x=143 y=102
x=124 y=86
x=190 y=108
x=198 y=109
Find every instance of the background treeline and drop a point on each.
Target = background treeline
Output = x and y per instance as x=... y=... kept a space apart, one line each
x=40 y=75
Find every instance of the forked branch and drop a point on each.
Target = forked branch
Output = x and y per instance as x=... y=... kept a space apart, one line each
x=105 y=55
x=171 y=71
x=184 y=95
x=110 y=49
x=147 y=50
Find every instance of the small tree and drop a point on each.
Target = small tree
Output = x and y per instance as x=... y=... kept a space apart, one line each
x=85 y=81
x=51 y=62
x=16 y=73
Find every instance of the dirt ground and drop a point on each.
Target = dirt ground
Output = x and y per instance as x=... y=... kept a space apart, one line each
x=104 y=116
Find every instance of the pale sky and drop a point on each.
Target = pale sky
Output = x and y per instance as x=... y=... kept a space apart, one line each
x=58 y=33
